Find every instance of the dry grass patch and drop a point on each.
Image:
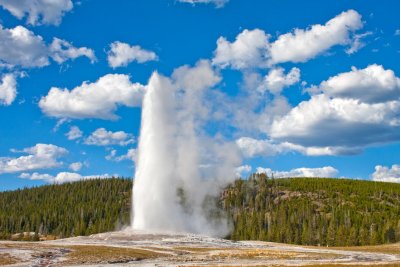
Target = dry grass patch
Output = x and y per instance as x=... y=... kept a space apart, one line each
x=390 y=248
x=17 y=244
x=6 y=259
x=102 y=254
x=159 y=249
x=26 y=245
x=251 y=254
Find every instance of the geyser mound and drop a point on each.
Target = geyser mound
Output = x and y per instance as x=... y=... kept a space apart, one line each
x=180 y=169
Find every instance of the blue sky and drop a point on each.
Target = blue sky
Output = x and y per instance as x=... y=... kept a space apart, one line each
x=330 y=107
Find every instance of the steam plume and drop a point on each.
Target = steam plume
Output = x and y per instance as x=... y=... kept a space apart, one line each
x=180 y=167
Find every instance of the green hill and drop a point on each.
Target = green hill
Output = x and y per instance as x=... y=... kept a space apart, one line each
x=310 y=211
x=334 y=212
x=65 y=210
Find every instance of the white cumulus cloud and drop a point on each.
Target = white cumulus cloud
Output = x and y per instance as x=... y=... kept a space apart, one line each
x=253 y=48
x=372 y=84
x=76 y=166
x=346 y=113
x=21 y=47
x=62 y=177
x=387 y=174
x=8 y=89
x=61 y=51
x=38 y=11
x=40 y=156
x=131 y=155
x=102 y=137
x=99 y=99
x=276 y=80
x=243 y=170
x=67 y=177
x=121 y=54
x=251 y=147
x=249 y=50
x=74 y=133
x=199 y=77
x=323 y=121
x=302 y=45
x=35 y=176
x=324 y=172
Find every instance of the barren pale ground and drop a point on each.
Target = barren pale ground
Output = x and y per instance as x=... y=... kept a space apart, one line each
x=129 y=248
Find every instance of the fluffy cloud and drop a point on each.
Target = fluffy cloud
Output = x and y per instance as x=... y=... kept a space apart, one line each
x=276 y=80
x=275 y=108
x=121 y=54
x=74 y=133
x=130 y=155
x=66 y=177
x=61 y=51
x=251 y=147
x=40 y=156
x=302 y=45
x=373 y=84
x=243 y=170
x=38 y=11
x=35 y=176
x=217 y=3
x=324 y=172
x=323 y=121
x=21 y=47
x=8 y=89
x=354 y=110
x=386 y=174
x=76 y=166
x=199 y=77
x=252 y=48
x=102 y=137
x=93 y=100
x=62 y=177
x=321 y=151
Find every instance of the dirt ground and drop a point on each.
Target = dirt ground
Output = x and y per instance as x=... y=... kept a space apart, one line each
x=130 y=248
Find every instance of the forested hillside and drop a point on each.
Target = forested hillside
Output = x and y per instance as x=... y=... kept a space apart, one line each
x=310 y=211
x=334 y=212
x=70 y=209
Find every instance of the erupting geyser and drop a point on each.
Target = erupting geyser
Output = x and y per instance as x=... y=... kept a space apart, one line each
x=180 y=168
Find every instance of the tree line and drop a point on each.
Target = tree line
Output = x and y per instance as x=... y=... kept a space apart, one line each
x=307 y=211
x=70 y=209
x=310 y=211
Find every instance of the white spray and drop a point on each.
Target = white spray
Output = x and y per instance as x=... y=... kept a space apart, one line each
x=179 y=166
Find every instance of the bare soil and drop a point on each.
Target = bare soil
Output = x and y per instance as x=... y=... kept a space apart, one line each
x=130 y=248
